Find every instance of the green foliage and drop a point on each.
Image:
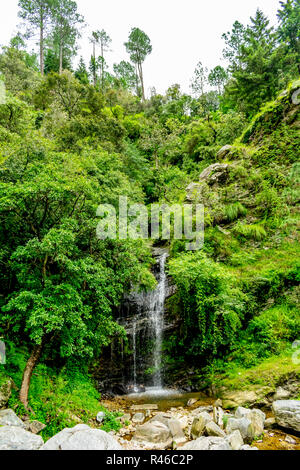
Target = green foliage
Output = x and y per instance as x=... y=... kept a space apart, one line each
x=234 y=211
x=253 y=232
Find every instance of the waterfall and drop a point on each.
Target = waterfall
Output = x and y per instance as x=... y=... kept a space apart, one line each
x=156 y=313
x=143 y=319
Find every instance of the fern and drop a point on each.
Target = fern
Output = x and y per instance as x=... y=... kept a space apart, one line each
x=234 y=211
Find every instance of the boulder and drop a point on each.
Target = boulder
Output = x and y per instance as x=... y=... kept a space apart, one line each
x=212 y=429
x=270 y=423
x=247 y=447
x=191 y=402
x=290 y=440
x=243 y=425
x=255 y=416
x=16 y=438
x=5 y=392
x=287 y=413
x=281 y=394
x=34 y=426
x=138 y=418
x=9 y=418
x=218 y=415
x=174 y=426
x=233 y=399
x=153 y=434
x=199 y=423
x=82 y=437
x=100 y=416
x=224 y=151
x=296 y=96
x=207 y=443
x=193 y=192
x=235 y=440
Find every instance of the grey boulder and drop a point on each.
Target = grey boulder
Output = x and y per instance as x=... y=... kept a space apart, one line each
x=207 y=443
x=287 y=413
x=82 y=437
x=243 y=425
x=9 y=418
x=16 y=438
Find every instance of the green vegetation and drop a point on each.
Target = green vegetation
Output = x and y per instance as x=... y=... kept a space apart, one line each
x=72 y=140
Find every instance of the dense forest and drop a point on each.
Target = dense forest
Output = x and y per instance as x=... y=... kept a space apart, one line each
x=72 y=138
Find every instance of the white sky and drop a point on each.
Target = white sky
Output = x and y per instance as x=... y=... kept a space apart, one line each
x=181 y=32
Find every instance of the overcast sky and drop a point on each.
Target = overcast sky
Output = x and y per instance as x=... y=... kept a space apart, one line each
x=182 y=32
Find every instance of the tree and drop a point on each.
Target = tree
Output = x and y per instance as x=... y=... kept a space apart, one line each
x=38 y=13
x=218 y=77
x=234 y=41
x=199 y=79
x=66 y=23
x=102 y=39
x=257 y=73
x=81 y=72
x=125 y=72
x=138 y=48
x=289 y=27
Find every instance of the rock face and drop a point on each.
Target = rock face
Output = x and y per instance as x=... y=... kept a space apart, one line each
x=215 y=173
x=82 y=437
x=199 y=424
x=9 y=418
x=5 y=392
x=224 y=151
x=207 y=443
x=16 y=438
x=287 y=413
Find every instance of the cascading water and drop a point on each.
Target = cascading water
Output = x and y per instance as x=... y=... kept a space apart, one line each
x=156 y=312
x=143 y=319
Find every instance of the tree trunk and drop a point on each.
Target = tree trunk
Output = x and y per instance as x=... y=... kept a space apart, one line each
x=102 y=68
x=60 y=56
x=31 y=363
x=42 y=49
x=142 y=82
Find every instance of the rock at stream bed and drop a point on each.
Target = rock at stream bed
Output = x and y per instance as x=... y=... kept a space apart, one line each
x=256 y=417
x=153 y=435
x=207 y=443
x=138 y=418
x=212 y=429
x=199 y=423
x=243 y=425
x=287 y=413
x=34 y=426
x=235 y=440
x=82 y=437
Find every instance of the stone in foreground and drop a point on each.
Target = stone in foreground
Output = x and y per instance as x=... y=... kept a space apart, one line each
x=9 y=418
x=207 y=443
x=16 y=438
x=287 y=413
x=154 y=434
x=235 y=440
x=82 y=437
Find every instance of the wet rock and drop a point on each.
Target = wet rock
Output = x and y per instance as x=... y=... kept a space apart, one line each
x=82 y=437
x=9 y=418
x=287 y=413
x=138 y=418
x=199 y=424
x=212 y=429
x=234 y=399
x=144 y=407
x=235 y=440
x=16 y=438
x=207 y=443
x=218 y=415
x=218 y=403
